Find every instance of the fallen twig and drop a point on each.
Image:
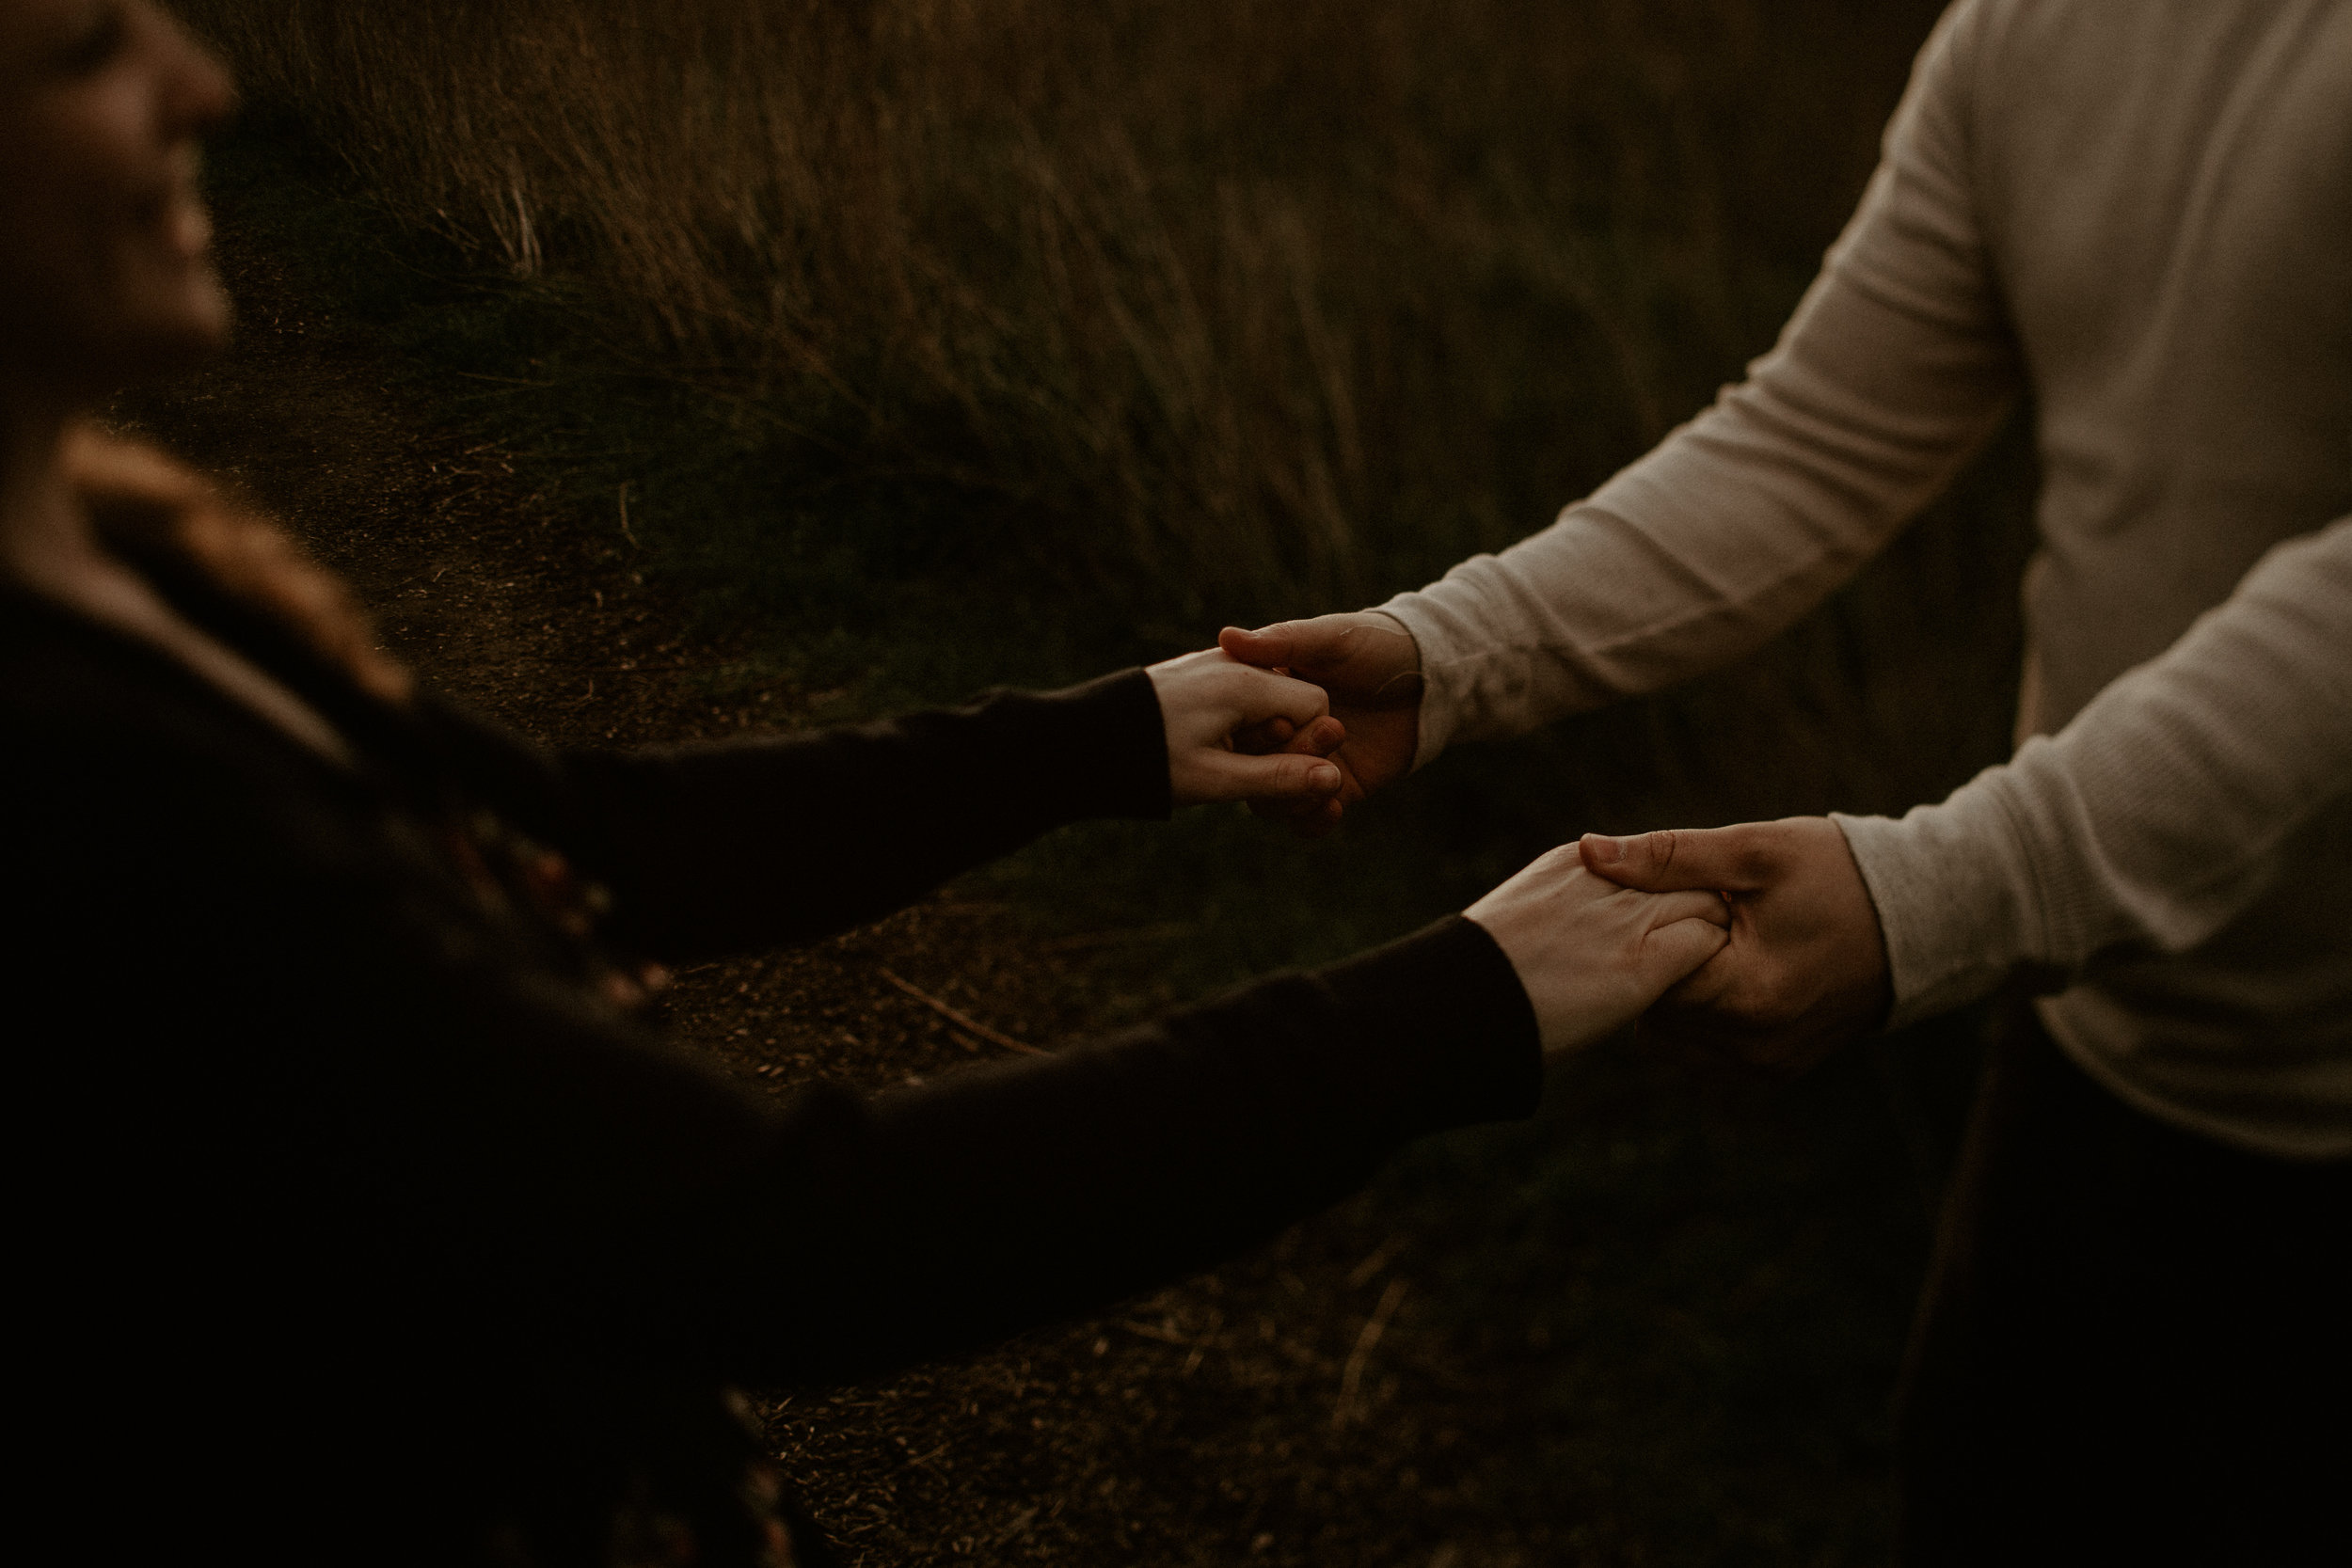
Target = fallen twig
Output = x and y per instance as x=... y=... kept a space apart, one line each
x=1363 y=1272
x=1353 y=1375
x=1154 y=1331
x=962 y=1020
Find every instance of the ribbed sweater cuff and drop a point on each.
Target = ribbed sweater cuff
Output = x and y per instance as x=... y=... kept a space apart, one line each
x=1955 y=905
x=1445 y=1005
x=1441 y=695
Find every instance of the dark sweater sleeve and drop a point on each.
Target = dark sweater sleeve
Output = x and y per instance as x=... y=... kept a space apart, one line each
x=737 y=846
x=941 y=1217
x=358 y=1122
x=324 y=1115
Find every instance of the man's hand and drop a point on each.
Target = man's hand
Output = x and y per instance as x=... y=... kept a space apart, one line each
x=1591 y=954
x=1805 y=969
x=1217 y=710
x=1372 y=672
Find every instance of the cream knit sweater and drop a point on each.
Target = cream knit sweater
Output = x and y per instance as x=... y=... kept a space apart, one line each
x=2140 y=210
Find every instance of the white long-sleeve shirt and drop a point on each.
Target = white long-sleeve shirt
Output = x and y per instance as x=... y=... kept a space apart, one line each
x=2140 y=210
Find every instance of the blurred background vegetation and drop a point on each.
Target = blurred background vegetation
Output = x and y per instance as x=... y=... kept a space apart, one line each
x=1195 y=312
x=939 y=344
x=942 y=343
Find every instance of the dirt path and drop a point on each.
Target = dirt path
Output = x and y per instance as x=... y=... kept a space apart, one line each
x=1205 y=1425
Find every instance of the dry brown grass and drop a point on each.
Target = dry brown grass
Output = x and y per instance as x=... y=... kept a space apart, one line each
x=1283 y=301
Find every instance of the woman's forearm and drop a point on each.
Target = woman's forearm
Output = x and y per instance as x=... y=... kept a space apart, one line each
x=989 y=1202
x=741 y=845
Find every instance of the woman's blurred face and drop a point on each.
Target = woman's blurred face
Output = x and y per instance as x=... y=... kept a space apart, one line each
x=104 y=275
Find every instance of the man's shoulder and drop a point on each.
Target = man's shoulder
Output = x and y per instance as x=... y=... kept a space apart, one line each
x=2124 y=53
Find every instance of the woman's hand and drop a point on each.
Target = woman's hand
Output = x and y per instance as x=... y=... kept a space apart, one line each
x=1591 y=958
x=1371 y=667
x=1219 y=711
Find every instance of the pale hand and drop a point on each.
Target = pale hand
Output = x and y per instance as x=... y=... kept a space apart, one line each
x=1219 y=712
x=1805 y=969
x=1372 y=669
x=1592 y=956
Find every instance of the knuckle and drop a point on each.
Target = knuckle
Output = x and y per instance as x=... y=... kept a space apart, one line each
x=1755 y=856
x=1662 y=848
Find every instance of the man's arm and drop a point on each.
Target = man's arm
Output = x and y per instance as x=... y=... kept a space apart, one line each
x=1897 y=365
x=2170 y=805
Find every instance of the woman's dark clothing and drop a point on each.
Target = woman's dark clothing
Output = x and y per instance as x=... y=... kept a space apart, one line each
x=350 y=1202
x=2115 y=1356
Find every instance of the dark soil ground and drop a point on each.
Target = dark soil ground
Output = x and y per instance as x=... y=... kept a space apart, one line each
x=1375 y=1387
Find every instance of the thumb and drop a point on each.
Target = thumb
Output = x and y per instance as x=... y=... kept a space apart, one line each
x=1266 y=647
x=1672 y=953
x=1284 y=776
x=1675 y=860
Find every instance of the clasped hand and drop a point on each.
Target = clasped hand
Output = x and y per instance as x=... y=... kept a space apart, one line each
x=1239 y=733
x=1591 y=954
x=1803 y=969
x=1758 y=940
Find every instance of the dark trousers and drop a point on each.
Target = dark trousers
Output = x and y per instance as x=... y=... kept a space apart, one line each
x=2132 y=1344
